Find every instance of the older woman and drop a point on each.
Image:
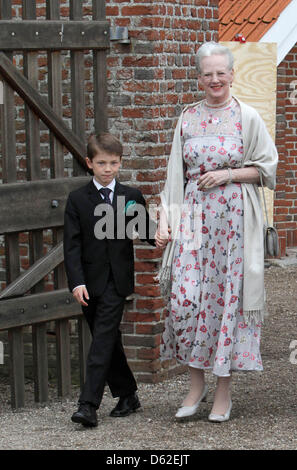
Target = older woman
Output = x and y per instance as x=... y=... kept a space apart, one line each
x=220 y=148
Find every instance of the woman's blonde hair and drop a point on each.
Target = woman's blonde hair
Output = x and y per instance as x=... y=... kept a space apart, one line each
x=213 y=48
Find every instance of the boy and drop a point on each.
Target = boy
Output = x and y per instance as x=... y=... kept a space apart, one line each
x=100 y=272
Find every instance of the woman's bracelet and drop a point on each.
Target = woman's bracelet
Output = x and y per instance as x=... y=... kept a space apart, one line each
x=230 y=176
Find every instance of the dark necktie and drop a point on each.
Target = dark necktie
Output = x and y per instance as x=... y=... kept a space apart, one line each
x=105 y=193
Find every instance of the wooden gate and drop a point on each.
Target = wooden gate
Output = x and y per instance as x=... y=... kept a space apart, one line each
x=37 y=205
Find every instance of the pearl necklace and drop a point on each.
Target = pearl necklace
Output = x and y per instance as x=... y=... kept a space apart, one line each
x=211 y=119
x=220 y=105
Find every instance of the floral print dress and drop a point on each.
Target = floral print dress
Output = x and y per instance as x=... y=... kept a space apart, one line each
x=204 y=325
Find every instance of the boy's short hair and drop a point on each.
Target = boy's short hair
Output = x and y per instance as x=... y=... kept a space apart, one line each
x=105 y=142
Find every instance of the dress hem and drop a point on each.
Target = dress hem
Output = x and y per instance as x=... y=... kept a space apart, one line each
x=211 y=368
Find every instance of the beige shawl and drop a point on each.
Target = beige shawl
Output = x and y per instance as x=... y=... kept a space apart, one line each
x=259 y=151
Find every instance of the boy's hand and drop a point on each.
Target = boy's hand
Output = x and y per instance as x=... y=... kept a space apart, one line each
x=79 y=294
x=161 y=238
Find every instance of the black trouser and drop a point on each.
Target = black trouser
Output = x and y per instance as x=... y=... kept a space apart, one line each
x=106 y=360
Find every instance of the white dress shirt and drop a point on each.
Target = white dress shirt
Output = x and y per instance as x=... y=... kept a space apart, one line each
x=111 y=186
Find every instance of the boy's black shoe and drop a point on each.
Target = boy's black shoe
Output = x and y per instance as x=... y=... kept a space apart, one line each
x=86 y=415
x=126 y=406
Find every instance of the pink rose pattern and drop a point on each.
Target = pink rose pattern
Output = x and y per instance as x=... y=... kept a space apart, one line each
x=204 y=325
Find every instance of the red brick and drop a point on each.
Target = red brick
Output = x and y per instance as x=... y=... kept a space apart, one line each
x=149 y=304
x=146 y=279
x=132 y=61
x=147 y=329
x=150 y=189
x=280 y=218
x=149 y=366
x=136 y=10
x=146 y=267
x=141 y=317
x=179 y=74
x=150 y=253
x=145 y=353
x=112 y=11
x=282 y=202
x=148 y=291
x=151 y=176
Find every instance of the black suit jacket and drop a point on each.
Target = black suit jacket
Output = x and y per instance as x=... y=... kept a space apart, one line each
x=88 y=260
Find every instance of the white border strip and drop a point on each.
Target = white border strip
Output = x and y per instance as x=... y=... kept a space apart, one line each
x=1 y=353
x=1 y=92
x=284 y=31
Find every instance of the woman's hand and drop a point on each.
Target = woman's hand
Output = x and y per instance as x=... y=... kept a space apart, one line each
x=213 y=178
x=163 y=232
x=162 y=238
x=249 y=174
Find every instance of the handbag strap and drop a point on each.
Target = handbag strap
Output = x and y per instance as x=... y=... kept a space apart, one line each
x=263 y=192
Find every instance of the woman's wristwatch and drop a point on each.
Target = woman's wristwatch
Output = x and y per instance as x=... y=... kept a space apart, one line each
x=230 y=176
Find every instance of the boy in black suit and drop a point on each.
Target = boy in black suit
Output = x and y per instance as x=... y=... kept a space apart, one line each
x=99 y=262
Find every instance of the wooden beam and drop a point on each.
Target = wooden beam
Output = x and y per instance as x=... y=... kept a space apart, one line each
x=5 y=9
x=8 y=161
x=38 y=308
x=32 y=124
x=63 y=357
x=76 y=10
x=99 y=9
x=16 y=366
x=53 y=35
x=55 y=95
x=53 y=9
x=29 y=10
x=40 y=362
x=77 y=63
x=41 y=107
x=36 y=204
x=35 y=273
x=100 y=74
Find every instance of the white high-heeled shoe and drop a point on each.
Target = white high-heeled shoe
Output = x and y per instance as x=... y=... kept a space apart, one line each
x=185 y=411
x=220 y=418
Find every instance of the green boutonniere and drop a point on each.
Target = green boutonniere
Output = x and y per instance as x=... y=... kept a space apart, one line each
x=129 y=206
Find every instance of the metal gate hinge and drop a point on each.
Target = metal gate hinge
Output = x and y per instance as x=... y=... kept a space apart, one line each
x=120 y=34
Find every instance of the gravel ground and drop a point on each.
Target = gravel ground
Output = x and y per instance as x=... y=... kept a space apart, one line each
x=263 y=414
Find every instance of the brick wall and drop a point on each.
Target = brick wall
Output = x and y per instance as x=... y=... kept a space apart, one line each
x=149 y=82
x=285 y=203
